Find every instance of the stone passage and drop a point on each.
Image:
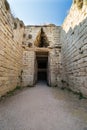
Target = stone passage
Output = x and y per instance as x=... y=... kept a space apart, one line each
x=57 y=54
x=43 y=108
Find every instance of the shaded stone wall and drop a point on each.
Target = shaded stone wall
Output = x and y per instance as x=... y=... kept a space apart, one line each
x=74 y=49
x=55 y=66
x=11 y=34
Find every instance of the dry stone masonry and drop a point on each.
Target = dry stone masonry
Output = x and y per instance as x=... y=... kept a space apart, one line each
x=10 y=49
x=33 y=45
x=74 y=48
x=53 y=53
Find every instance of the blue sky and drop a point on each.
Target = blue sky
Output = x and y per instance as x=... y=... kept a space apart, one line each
x=36 y=12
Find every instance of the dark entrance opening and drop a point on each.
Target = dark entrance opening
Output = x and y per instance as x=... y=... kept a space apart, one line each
x=42 y=66
x=42 y=69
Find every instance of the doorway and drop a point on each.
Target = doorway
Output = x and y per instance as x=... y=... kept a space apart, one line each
x=42 y=66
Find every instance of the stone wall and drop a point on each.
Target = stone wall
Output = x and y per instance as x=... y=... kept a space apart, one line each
x=11 y=34
x=32 y=33
x=19 y=44
x=74 y=48
x=55 y=66
x=31 y=39
x=28 y=68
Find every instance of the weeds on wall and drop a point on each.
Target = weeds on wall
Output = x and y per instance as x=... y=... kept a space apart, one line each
x=79 y=3
x=74 y=1
x=79 y=94
x=7 y=6
x=21 y=24
x=11 y=93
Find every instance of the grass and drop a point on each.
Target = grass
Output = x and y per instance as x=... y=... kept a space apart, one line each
x=11 y=93
x=79 y=94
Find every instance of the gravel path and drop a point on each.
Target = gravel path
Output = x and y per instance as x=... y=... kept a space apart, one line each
x=43 y=108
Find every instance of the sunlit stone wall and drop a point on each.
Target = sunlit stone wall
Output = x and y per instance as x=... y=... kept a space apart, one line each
x=74 y=48
x=11 y=34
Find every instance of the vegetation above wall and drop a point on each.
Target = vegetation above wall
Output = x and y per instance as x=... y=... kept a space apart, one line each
x=80 y=3
x=7 y=6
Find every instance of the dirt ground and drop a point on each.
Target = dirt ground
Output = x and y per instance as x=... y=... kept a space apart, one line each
x=43 y=108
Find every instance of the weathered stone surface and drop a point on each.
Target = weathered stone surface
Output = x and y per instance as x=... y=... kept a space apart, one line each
x=19 y=44
x=74 y=50
x=10 y=50
x=28 y=68
x=53 y=36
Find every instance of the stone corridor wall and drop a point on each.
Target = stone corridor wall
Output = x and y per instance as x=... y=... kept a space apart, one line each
x=55 y=67
x=74 y=49
x=11 y=34
x=28 y=68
